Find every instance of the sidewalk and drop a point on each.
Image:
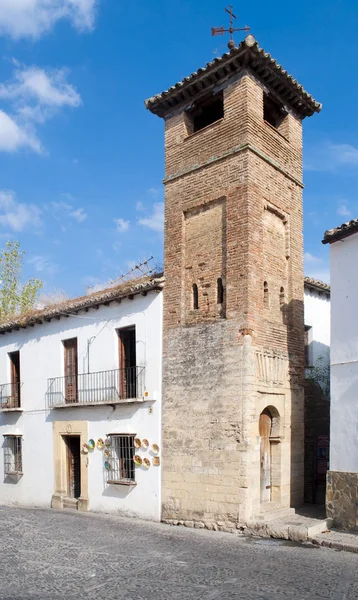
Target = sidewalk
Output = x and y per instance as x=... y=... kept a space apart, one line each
x=338 y=540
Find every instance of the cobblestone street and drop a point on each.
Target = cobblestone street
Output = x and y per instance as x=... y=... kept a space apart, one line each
x=48 y=555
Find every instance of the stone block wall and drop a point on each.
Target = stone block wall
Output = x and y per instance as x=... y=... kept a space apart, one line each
x=342 y=499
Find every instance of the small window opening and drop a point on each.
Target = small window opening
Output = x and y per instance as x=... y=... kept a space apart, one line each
x=12 y=455
x=274 y=112
x=308 y=357
x=121 y=467
x=221 y=291
x=266 y=295
x=205 y=112
x=195 y=297
x=282 y=297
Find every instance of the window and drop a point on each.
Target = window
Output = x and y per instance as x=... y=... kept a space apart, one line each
x=195 y=297
x=121 y=464
x=127 y=363
x=12 y=454
x=71 y=370
x=266 y=295
x=220 y=291
x=13 y=400
x=205 y=112
x=308 y=358
x=274 y=112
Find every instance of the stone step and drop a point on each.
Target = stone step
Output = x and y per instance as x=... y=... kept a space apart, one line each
x=70 y=503
x=274 y=515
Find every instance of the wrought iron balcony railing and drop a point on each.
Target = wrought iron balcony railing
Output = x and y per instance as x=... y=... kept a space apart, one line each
x=104 y=387
x=10 y=395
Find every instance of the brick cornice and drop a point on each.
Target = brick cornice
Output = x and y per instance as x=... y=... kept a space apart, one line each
x=232 y=152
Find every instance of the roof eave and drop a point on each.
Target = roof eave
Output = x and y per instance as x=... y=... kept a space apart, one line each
x=247 y=56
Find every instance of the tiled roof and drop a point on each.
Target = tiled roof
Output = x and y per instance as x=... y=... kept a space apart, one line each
x=94 y=300
x=317 y=285
x=248 y=55
x=338 y=233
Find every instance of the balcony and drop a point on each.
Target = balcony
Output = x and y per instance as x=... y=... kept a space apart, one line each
x=92 y=389
x=10 y=396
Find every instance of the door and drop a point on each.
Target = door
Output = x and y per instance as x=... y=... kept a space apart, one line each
x=73 y=466
x=265 y=456
x=128 y=363
x=15 y=380
x=71 y=370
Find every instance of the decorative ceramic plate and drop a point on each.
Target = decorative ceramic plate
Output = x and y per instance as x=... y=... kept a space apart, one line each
x=137 y=443
x=107 y=453
x=155 y=448
x=91 y=444
x=100 y=444
x=146 y=463
x=137 y=460
x=145 y=443
x=156 y=461
x=107 y=443
x=107 y=466
x=84 y=449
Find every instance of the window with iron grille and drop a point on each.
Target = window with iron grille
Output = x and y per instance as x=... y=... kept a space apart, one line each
x=121 y=465
x=13 y=455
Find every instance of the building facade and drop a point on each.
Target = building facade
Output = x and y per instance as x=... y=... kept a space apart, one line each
x=233 y=340
x=80 y=389
x=342 y=479
x=317 y=314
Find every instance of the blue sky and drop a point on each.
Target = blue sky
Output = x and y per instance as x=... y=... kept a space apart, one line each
x=82 y=160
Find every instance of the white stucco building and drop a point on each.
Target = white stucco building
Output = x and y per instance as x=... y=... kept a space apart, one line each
x=342 y=494
x=317 y=322
x=85 y=370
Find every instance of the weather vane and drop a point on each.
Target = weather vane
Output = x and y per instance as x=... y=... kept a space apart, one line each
x=231 y=30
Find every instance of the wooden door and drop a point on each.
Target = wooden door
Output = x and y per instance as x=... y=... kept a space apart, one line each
x=265 y=457
x=15 y=379
x=73 y=466
x=128 y=362
x=71 y=370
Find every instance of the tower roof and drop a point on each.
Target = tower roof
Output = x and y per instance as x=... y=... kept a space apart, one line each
x=248 y=55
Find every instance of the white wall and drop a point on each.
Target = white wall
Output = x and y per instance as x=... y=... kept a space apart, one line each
x=41 y=357
x=344 y=355
x=317 y=316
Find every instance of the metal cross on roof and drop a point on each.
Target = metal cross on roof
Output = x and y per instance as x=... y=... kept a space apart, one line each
x=231 y=30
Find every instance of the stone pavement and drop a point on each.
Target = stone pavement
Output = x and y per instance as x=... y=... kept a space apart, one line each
x=51 y=555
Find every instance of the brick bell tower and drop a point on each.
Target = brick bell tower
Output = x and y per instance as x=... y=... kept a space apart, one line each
x=233 y=303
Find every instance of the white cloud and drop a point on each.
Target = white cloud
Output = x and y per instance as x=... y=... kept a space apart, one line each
x=343 y=210
x=65 y=210
x=32 y=18
x=311 y=259
x=14 y=136
x=121 y=225
x=156 y=220
x=139 y=206
x=79 y=215
x=330 y=157
x=45 y=88
x=44 y=265
x=32 y=96
x=18 y=216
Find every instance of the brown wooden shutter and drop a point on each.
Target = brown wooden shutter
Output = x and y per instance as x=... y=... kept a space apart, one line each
x=71 y=370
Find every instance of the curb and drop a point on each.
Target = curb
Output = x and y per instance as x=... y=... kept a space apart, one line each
x=335 y=545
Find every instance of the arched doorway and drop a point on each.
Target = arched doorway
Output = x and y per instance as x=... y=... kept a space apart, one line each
x=265 y=426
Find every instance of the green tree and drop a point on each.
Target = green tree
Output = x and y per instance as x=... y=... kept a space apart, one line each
x=15 y=297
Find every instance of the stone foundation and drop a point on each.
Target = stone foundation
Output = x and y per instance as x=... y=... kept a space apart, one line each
x=342 y=499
